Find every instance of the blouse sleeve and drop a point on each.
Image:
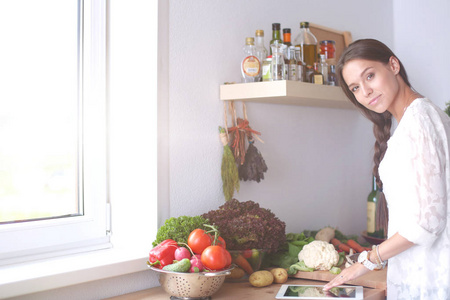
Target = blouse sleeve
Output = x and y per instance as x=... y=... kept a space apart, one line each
x=425 y=184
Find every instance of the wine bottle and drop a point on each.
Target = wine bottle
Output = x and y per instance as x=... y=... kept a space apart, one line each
x=276 y=36
x=372 y=201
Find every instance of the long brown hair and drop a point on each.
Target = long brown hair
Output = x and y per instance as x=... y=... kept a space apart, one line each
x=373 y=50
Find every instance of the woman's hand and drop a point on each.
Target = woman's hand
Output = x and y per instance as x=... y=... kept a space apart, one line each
x=350 y=273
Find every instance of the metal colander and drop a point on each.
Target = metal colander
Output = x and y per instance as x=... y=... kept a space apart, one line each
x=191 y=286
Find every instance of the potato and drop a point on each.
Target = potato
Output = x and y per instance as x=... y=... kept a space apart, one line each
x=280 y=275
x=261 y=278
x=236 y=273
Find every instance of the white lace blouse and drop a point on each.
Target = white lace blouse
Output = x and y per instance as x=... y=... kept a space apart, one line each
x=416 y=181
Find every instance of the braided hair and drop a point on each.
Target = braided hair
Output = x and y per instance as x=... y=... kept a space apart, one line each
x=373 y=50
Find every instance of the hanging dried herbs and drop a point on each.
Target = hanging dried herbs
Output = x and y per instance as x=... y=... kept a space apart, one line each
x=230 y=176
x=254 y=166
x=239 y=134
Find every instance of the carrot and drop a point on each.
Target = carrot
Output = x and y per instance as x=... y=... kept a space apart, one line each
x=335 y=242
x=243 y=263
x=344 y=247
x=340 y=246
x=357 y=247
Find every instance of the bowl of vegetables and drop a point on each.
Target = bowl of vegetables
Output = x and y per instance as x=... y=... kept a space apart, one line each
x=192 y=270
x=182 y=285
x=245 y=263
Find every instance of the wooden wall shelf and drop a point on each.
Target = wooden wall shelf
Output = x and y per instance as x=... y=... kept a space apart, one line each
x=287 y=92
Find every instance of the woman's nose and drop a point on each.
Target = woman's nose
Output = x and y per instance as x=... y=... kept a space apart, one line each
x=366 y=89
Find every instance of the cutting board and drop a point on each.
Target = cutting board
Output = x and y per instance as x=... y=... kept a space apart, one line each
x=375 y=279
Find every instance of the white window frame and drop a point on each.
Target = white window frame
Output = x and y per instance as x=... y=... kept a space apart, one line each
x=25 y=241
x=134 y=84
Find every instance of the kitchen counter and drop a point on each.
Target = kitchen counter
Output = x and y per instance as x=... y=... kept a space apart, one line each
x=241 y=290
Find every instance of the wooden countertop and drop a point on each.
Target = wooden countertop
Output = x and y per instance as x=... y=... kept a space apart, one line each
x=241 y=290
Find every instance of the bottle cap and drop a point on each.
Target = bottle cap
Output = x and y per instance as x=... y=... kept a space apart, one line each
x=286 y=30
x=275 y=26
x=328 y=42
x=304 y=24
x=249 y=41
x=259 y=32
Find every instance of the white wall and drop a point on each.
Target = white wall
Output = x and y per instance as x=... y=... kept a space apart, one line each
x=421 y=40
x=319 y=159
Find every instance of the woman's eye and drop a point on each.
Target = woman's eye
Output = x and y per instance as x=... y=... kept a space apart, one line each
x=354 y=89
x=370 y=76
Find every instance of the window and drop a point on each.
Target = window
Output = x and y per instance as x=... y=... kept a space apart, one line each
x=53 y=157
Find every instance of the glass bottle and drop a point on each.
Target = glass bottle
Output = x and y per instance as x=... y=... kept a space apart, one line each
x=332 y=79
x=309 y=72
x=267 y=69
x=323 y=69
x=275 y=35
x=328 y=48
x=316 y=76
x=292 y=66
x=261 y=51
x=250 y=65
x=301 y=69
x=278 y=63
x=307 y=43
x=287 y=37
x=372 y=201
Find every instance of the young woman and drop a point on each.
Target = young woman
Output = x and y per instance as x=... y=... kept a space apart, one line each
x=412 y=168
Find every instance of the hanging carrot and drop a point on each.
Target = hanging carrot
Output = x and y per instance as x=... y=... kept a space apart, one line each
x=239 y=132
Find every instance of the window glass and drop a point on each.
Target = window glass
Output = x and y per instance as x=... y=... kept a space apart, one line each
x=53 y=155
x=39 y=115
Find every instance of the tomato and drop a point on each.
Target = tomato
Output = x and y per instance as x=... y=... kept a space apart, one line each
x=198 y=240
x=215 y=258
x=247 y=253
x=221 y=242
x=229 y=259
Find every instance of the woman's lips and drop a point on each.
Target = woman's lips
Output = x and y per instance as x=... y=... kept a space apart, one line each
x=374 y=100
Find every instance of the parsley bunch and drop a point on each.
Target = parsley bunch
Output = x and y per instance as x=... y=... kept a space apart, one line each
x=178 y=229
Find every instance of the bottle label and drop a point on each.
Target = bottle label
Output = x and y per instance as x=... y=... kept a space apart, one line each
x=251 y=66
x=318 y=79
x=300 y=72
x=266 y=73
x=371 y=210
x=292 y=72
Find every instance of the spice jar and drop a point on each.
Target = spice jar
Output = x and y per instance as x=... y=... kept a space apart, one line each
x=328 y=48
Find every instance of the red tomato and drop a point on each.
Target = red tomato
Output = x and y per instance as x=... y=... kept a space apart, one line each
x=229 y=259
x=214 y=258
x=221 y=242
x=247 y=253
x=198 y=240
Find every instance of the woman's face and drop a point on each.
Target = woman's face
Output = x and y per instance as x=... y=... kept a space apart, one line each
x=373 y=84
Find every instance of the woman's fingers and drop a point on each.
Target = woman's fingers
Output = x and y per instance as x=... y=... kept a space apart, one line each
x=347 y=274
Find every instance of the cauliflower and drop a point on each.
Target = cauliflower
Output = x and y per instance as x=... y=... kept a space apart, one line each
x=319 y=255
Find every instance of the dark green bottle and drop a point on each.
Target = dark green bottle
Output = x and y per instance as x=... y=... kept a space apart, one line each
x=276 y=35
x=372 y=201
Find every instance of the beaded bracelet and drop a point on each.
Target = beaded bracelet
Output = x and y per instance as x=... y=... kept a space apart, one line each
x=381 y=264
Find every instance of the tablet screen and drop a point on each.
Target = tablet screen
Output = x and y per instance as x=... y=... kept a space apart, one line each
x=317 y=292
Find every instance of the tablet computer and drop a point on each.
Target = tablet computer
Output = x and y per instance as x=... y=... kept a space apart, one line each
x=294 y=291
